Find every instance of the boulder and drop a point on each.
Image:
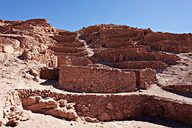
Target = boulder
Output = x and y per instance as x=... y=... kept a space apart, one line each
x=47 y=103
x=26 y=55
x=8 y=49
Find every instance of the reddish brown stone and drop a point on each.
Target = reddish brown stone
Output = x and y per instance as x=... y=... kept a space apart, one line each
x=96 y=79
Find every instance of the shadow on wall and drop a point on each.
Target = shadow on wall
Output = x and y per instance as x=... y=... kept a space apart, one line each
x=54 y=83
x=164 y=122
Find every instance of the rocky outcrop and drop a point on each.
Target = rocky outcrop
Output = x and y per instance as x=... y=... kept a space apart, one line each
x=13 y=111
x=49 y=106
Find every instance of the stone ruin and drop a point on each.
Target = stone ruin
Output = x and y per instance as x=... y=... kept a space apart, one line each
x=101 y=70
x=108 y=59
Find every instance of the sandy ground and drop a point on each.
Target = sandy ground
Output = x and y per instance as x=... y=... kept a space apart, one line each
x=13 y=76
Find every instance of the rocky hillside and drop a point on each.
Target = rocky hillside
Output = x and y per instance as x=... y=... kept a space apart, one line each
x=101 y=73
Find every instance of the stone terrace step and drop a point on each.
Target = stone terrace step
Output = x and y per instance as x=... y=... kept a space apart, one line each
x=159 y=36
x=180 y=89
x=77 y=54
x=171 y=46
x=65 y=38
x=158 y=65
x=72 y=60
x=67 y=49
x=70 y=44
x=111 y=44
x=108 y=33
x=135 y=55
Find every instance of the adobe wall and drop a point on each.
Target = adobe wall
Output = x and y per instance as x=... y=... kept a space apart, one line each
x=118 y=107
x=96 y=79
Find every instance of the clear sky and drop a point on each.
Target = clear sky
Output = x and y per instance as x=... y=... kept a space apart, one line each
x=159 y=15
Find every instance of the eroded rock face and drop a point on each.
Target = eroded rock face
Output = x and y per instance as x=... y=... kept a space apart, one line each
x=13 y=111
x=32 y=37
x=9 y=45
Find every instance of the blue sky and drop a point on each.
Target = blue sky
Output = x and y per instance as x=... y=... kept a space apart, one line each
x=159 y=15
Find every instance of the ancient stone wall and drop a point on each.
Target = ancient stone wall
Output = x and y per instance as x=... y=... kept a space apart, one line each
x=65 y=38
x=147 y=77
x=171 y=46
x=116 y=107
x=154 y=37
x=65 y=49
x=135 y=55
x=158 y=65
x=168 y=109
x=96 y=79
x=144 y=77
x=181 y=89
x=49 y=73
x=119 y=54
x=72 y=60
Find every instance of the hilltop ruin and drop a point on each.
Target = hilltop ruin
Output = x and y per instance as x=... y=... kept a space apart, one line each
x=103 y=72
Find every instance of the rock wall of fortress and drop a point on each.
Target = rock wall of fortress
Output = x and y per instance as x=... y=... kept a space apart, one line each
x=96 y=79
x=114 y=107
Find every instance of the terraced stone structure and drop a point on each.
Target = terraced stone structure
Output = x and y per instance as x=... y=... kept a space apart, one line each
x=109 y=46
x=104 y=72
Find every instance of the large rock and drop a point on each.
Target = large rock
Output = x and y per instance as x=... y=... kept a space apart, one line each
x=9 y=45
x=8 y=49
